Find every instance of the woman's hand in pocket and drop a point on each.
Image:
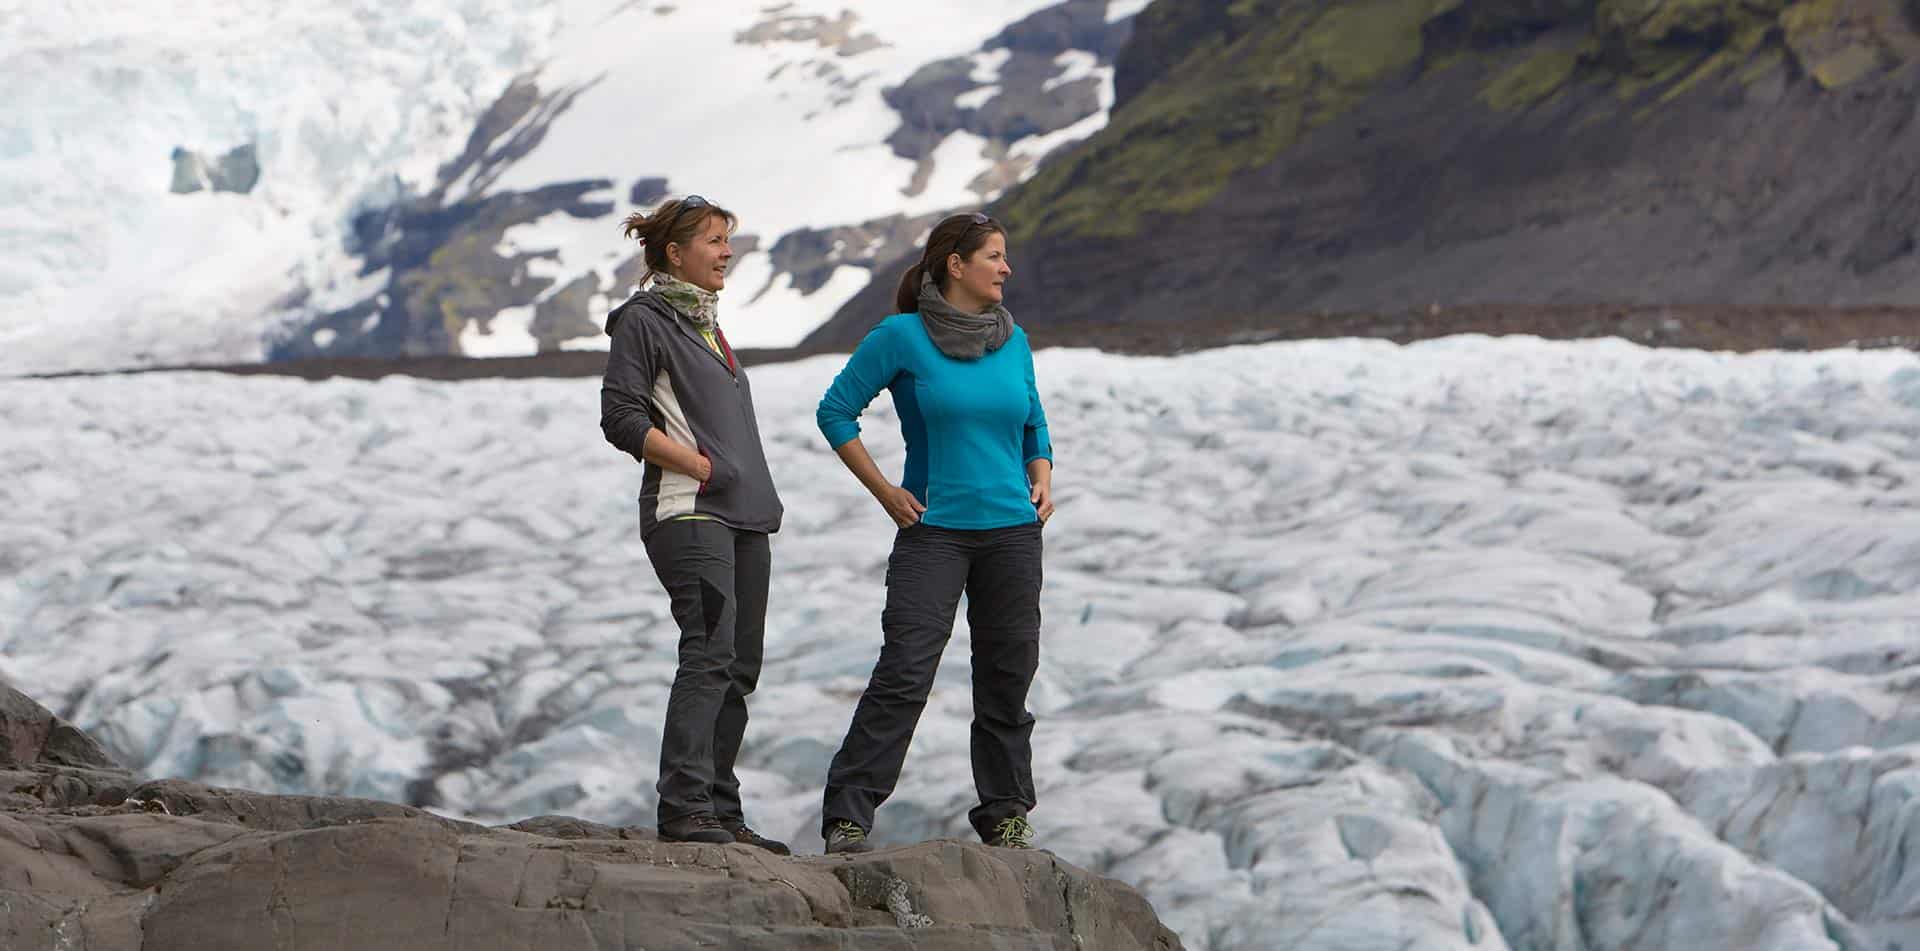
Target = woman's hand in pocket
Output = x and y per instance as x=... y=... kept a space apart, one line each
x=901 y=506
x=720 y=474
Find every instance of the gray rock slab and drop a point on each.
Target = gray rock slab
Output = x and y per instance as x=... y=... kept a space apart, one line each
x=147 y=881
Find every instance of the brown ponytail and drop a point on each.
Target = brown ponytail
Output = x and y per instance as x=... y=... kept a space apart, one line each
x=906 y=297
x=669 y=225
x=960 y=234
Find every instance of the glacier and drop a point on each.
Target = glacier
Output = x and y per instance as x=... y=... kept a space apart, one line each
x=105 y=266
x=1466 y=644
x=358 y=108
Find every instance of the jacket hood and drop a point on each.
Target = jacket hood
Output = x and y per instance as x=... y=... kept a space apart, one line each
x=646 y=300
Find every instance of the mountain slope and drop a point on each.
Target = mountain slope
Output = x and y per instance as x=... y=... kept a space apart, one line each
x=371 y=180
x=833 y=137
x=1271 y=157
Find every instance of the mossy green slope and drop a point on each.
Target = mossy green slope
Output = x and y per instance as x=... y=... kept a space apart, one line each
x=1271 y=71
x=1251 y=78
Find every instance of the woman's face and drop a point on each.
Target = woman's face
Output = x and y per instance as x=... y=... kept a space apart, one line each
x=703 y=261
x=979 y=276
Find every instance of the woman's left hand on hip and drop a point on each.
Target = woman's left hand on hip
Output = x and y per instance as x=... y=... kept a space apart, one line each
x=1043 y=499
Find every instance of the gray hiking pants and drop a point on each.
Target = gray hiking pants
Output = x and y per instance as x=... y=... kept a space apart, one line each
x=717 y=580
x=999 y=569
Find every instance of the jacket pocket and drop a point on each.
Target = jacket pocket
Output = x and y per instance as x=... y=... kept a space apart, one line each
x=723 y=476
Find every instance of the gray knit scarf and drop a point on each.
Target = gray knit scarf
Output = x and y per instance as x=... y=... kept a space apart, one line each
x=961 y=335
x=700 y=305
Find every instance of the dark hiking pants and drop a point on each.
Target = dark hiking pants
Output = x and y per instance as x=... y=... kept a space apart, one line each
x=999 y=569
x=717 y=580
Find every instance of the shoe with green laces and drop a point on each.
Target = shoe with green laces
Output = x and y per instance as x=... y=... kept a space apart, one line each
x=844 y=836
x=1013 y=832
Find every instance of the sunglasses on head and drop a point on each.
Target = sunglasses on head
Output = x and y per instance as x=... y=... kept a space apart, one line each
x=691 y=201
x=974 y=219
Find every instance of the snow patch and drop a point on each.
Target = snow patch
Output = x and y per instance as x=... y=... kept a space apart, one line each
x=506 y=335
x=782 y=316
x=1036 y=147
x=1075 y=64
x=957 y=162
x=975 y=98
x=988 y=63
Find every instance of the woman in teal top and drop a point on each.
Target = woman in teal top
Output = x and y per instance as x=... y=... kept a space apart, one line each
x=978 y=487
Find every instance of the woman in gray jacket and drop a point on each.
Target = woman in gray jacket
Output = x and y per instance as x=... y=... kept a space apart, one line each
x=677 y=400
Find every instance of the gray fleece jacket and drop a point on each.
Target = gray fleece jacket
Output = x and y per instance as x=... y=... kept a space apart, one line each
x=661 y=374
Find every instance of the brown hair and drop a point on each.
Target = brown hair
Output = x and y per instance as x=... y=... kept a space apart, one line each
x=676 y=221
x=960 y=234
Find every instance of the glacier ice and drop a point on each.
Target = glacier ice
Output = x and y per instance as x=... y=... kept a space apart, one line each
x=1469 y=644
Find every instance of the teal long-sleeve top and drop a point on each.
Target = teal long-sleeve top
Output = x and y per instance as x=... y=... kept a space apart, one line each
x=971 y=426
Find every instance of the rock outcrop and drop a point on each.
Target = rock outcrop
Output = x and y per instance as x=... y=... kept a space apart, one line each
x=91 y=858
x=45 y=760
x=236 y=171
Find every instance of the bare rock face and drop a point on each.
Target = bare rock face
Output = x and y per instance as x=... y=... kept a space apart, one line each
x=46 y=760
x=30 y=735
x=236 y=171
x=126 y=878
x=103 y=864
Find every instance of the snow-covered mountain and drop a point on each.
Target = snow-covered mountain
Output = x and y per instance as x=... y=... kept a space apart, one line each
x=1465 y=645
x=200 y=181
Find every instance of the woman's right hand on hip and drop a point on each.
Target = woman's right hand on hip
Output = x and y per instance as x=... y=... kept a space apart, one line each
x=901 y=506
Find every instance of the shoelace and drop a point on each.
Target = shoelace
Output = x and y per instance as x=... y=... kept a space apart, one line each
x=704 y=822
x=849 y=831
x=1015 y=832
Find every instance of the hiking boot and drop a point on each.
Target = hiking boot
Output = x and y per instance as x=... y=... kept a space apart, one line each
x=844 y=836
x=699 y=827
x=1013 y=832
x=744 y=834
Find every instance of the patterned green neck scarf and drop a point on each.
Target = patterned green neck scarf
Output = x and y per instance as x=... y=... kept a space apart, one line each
x=700 y=305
